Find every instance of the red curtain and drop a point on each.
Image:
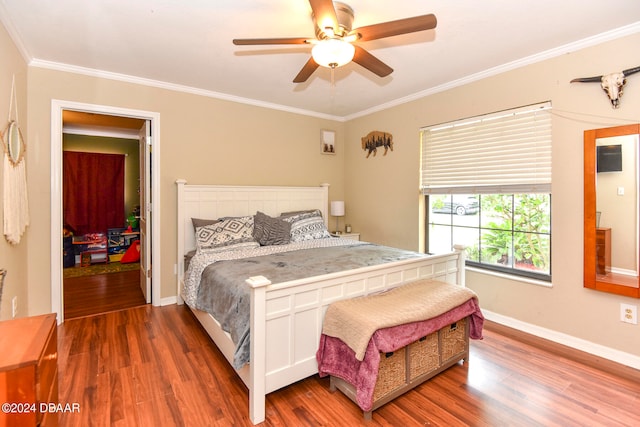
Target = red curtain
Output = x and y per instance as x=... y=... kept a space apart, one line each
x=93 y=191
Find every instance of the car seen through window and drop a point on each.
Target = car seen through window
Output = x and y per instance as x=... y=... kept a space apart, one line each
x=459 y=205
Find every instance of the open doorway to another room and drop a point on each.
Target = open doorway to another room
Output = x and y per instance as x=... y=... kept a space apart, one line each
x=149 y=223
x=101 y=211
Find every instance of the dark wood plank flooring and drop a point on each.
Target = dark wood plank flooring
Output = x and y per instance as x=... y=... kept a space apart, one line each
x=155 y=366
x=101 y=293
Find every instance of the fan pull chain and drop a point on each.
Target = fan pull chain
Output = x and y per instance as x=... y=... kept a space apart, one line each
x=333 y=86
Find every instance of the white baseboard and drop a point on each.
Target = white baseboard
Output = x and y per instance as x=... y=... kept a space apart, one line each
x=564 y=339
x=168 y=301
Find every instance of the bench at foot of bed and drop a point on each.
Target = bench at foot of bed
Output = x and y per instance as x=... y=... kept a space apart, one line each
x=410 y=366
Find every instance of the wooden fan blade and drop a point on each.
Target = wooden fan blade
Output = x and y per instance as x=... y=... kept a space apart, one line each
x=394 y=28
x=324 y=14
x=290 y=40
x=306 y=71
x=371 y=63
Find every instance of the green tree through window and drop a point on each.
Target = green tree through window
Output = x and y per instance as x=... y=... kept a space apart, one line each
x=507 y=232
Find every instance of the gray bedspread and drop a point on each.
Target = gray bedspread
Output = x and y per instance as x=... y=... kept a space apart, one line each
x=224 y=293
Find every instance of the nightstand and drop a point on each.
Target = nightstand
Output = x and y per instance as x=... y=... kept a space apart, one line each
x=29 y=371
x=350 y=236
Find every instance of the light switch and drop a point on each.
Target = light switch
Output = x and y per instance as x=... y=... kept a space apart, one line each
x=620 y=191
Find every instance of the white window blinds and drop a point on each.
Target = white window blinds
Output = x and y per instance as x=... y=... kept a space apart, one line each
x=505 y=152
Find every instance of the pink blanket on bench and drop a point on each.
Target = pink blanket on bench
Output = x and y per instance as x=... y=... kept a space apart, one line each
x=338 y=359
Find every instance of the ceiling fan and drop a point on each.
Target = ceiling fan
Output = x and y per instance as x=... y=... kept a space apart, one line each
x=333 y=45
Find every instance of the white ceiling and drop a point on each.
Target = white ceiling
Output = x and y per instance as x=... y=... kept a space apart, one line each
x=187 y=45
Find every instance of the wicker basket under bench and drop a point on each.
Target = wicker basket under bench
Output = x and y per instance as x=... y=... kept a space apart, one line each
x=410 y=366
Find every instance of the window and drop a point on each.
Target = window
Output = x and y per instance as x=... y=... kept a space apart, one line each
x=487 y=185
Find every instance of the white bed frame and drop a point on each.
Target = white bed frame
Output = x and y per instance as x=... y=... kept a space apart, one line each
x=286 y=318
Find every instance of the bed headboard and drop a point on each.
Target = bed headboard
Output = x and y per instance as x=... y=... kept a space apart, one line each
x=216 y=201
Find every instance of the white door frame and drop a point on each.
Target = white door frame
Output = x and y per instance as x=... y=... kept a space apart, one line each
x=145 y=142
x=57 y=107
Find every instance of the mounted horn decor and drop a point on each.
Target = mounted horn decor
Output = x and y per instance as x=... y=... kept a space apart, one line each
x=612 y=84
x=375 y=139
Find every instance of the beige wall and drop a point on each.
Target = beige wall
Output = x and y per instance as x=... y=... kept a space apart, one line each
x=383 y=199
x=206 y=140
x=202 y=140
x=13 y=258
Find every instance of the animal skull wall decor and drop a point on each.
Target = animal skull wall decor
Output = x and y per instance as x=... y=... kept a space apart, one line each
x=612 y=84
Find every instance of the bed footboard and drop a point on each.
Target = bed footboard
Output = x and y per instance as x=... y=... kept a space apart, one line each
x=286 y=318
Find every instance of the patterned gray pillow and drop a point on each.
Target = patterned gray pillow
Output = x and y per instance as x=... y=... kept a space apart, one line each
x=228 y=234
x=198 y=222
x=307 y=226
x=270 y=231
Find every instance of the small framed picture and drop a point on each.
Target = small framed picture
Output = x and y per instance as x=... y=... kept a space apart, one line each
x=327 y=141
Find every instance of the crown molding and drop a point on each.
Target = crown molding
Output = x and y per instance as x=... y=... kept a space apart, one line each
x=13 y=33
x=91 y=72
x=551 y=53
x=548 y=54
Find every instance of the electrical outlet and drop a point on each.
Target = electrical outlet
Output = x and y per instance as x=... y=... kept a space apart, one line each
x=14 y=307
x=629 y=313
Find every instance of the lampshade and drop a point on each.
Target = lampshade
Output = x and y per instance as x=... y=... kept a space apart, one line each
x=332 y=53
x=337 y=208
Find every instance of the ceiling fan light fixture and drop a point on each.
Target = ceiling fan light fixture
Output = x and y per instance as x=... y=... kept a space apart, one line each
x=332 y=53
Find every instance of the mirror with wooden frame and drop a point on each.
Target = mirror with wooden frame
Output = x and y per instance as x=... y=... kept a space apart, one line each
x=611 y=210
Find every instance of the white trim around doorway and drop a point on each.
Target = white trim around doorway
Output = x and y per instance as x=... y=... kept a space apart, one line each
x=57 y=107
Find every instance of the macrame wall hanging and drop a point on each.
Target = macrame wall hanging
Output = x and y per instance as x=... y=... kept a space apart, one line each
x=15 y=200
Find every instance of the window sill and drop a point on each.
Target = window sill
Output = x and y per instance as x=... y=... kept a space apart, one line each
x=513 y=277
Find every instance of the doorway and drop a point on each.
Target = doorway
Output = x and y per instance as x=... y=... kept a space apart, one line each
x=101 y=204
x=151 y=241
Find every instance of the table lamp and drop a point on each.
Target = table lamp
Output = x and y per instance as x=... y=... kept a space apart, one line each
x=337 y=210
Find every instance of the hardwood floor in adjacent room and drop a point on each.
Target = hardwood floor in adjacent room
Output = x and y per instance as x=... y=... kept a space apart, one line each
x=155 y=366
x=101 y=293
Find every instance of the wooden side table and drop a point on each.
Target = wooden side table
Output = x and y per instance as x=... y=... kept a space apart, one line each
x=29 y=371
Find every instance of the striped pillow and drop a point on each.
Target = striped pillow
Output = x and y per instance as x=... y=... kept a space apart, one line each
x=307 y=226
x=270 y=231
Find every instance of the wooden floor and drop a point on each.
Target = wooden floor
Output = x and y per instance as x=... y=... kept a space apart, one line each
x=101 y=293
x=155 y=366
